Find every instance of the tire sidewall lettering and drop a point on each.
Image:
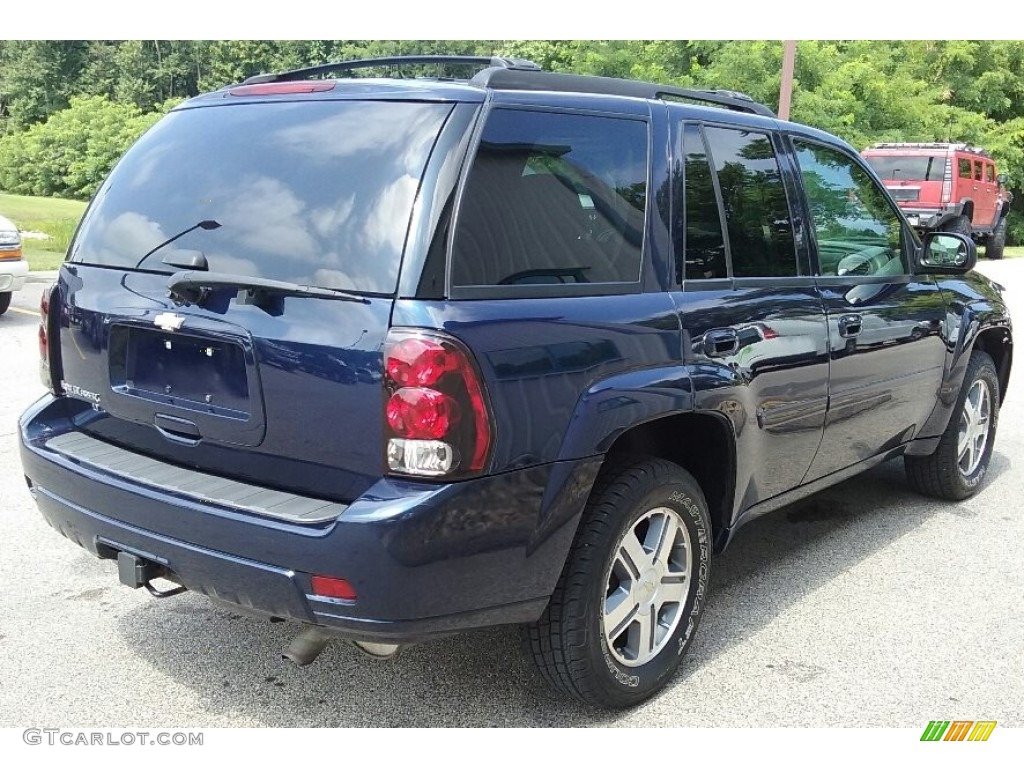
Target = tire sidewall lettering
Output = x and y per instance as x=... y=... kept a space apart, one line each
x=690 y=511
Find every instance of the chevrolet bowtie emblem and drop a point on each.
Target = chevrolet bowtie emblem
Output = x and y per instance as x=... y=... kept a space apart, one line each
x=168 y=321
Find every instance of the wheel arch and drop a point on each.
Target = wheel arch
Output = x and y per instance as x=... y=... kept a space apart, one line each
x=997 y=343
x=701 y=443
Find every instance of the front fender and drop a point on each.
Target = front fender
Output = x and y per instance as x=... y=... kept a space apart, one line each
x=974 y=305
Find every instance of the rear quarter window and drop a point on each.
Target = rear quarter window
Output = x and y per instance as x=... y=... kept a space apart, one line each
x=553 y=199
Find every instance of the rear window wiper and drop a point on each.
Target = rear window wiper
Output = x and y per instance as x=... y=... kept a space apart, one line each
x=193 y=287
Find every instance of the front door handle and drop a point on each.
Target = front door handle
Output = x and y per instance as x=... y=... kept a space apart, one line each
x=849 y=325
x=721 y=342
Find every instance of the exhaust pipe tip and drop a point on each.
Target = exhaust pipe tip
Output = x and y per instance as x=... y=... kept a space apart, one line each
x=305 y=647
x=377 y=650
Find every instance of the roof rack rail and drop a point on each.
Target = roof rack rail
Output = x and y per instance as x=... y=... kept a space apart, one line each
x=519 y=80
x=493 y=62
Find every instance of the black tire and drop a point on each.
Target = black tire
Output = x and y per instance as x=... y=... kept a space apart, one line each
x=940 y=474
x=5 y=301
x=996 y=241
x=958 y=225
x=568 y=643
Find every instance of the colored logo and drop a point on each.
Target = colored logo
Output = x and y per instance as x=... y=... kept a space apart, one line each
x=958 y=730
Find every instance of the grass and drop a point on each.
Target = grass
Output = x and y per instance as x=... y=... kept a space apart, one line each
x=54 y=216
x=1009 y=252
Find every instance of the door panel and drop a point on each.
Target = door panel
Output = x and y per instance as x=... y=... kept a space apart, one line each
x=988 y=195
x=754 y=330
x=885 y=349
x=771 y=381
x=886 y=366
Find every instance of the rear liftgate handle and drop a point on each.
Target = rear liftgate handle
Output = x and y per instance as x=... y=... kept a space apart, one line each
x=177 y=430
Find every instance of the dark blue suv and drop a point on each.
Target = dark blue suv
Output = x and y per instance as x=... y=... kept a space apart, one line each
x=396 y=358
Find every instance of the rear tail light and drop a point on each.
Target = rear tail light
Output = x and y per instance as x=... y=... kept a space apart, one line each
x=44 y=339
x=436 y=417
x=947 y=181
x=768 y=332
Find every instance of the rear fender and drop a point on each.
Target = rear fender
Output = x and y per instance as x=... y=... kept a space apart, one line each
x=611 y=406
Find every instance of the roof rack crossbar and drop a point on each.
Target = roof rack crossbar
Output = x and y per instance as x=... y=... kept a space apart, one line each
x=517 y=80
x=493 y=62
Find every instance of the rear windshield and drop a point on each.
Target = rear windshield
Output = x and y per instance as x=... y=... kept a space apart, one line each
x=909 y=167
x=313 y=192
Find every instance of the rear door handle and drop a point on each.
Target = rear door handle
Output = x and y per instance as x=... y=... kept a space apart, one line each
x=721 y=342
x=849 y=325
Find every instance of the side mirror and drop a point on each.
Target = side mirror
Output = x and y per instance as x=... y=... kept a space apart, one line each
x=1001 y=178
x=947 y=253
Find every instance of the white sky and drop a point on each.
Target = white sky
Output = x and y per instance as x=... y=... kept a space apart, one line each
x=462 y=19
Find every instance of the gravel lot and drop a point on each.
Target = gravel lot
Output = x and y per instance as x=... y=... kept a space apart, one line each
x=866 y=605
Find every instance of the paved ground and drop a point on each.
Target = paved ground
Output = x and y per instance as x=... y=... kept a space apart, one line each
x=866 y=605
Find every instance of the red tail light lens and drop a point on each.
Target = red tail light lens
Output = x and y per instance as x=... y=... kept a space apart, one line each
x=44 y=317
x=437 y=420
x=421 y=413
x=420 y=362
x=45 y=374
x=768 y=332
x=947 y=181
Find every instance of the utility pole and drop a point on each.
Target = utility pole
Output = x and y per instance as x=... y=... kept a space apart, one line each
x=786 y=88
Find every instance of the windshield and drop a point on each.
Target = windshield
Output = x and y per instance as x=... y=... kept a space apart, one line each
x=313 y=192
x=908 y=167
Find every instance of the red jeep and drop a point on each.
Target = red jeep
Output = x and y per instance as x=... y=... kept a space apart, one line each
x=946 y=187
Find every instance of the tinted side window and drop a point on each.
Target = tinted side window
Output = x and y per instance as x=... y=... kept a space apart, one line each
x=704 y=244
x=553 y=198
x=964 y=168
x=990 y=173
x=756 y=210
x=977 y=171
x=857 y=230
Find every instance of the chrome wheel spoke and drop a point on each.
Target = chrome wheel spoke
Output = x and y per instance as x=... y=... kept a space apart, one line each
x=641 y=635
x=646 y=587
x=672 y=590
x=963 y=445
x=975 y=421
x=619 y=611
x=633 y=555
x=661 y=538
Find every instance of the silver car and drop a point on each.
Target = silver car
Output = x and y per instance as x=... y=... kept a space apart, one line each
x=13 y=267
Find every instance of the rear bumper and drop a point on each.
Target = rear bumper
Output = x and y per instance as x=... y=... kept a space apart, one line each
x=12 y=275
x=425 y=559
x=924 y=218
